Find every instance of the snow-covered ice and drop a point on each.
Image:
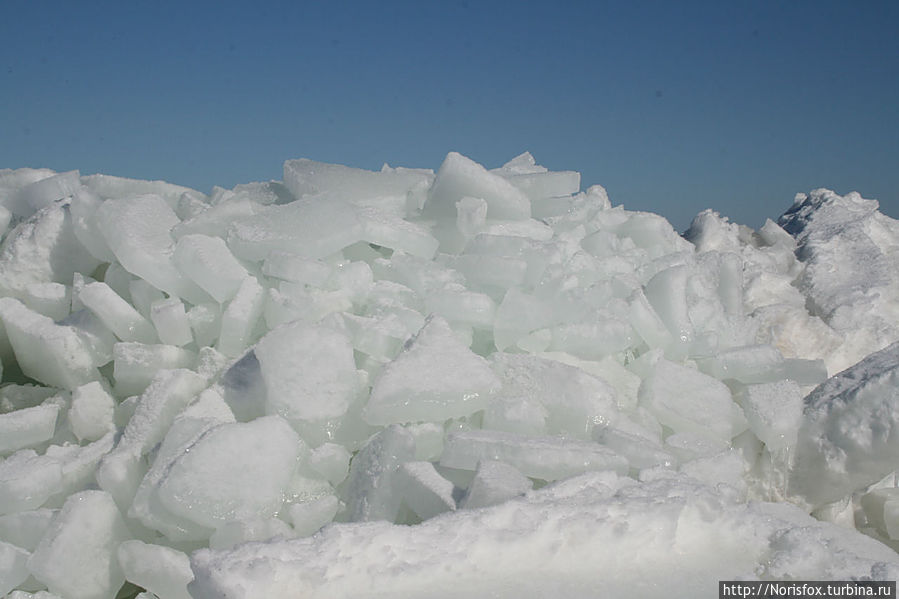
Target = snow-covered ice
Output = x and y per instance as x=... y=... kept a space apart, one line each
x=407 y=383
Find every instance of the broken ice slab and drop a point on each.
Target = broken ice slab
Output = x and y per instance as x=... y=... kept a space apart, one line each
x=762 y=364
x=307 y=177
x=495 y=482
x=92 y=412
x=308 y=517
x=572 y=401
x=460 y=177
x=170 y=392
x=371 y=492
x=461 y=306
x=255 y=529
x=27 y=427
x=138 y=231
x=424 y=490
x=53 y=354
x=42 y=249
x=687 y=400
x=208 y=262
x=313 y=228
x=27 y=480
x=667 y=293
x=118 y=315
x=435 y=378
x=546 y=458
x=849 y=437
x=40 y=194
x=538 y=186
x=239 y=320
x=774 y=412
x=171 y=321
x=309 y=372
x=136 y=364
x=13 y=567
x=77 y=556
x=296 y=268
x=235 y=472
x=637 y=447
x=161 y=570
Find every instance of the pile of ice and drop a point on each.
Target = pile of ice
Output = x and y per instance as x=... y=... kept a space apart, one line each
x=407 y=384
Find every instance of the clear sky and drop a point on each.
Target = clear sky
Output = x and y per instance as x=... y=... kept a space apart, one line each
x=672 y=106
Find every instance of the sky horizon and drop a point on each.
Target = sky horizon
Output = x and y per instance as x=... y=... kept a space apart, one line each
x=673 y=108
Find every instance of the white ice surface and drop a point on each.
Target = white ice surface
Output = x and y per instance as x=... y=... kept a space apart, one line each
x=404 y=383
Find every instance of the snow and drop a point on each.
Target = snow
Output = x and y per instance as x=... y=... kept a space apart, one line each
x=401 y=383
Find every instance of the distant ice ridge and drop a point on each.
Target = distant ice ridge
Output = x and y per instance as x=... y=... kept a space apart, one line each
x=415 y=384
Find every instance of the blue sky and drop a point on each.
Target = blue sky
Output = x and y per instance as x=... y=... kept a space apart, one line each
x=673 y=107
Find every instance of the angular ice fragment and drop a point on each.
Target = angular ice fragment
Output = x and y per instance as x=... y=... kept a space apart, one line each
x=495 y=482
x=523 y=415
x=235 y=472
x=537 y=186
x=461 y=177
x=517 y=315
x=424 y=490
x=774 y=412
x=667 y=292
x=109 y=186
x=136 y=364
x=137 y=230
x=160 y=570
x=386 y=230
x=497 y=272
x=27 y=427
x=574 y=401
x=171 y=321
x=307 y=177
x=687 y=400
x=42 y=249
x=314 y=228
x=848 y=438
x=240 y=317
x=546 y=458
x=331 y=461
x=880 y=509
x=50 y=353
x=84 y=206
x=77 y=556
x=471 y=216
x=43 y=193
x=214 y=220
x=434 y=379
x=639 y=450
x=647 y=323
x=208 y=262
x=309 y=372
x=27 y=480
x=242 y=531
x=463 y=307
x=308 y=517
x=595 y=339
x=25 y=529
x=118 y=315
x=371 y=492
x=13 y=568
x=749 y=364
x=50 y=299
x=206 y=323
x=169 y=393
x=299 y=269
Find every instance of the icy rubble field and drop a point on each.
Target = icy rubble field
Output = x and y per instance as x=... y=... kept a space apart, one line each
x=478 y=383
